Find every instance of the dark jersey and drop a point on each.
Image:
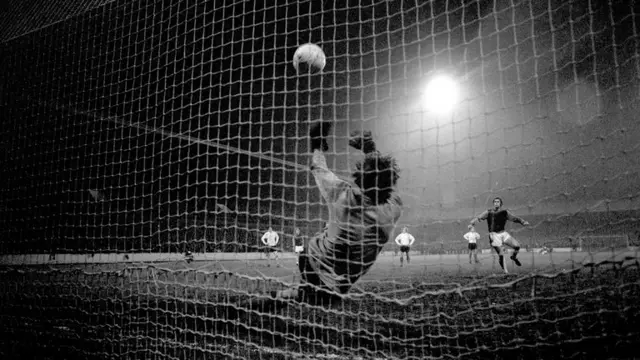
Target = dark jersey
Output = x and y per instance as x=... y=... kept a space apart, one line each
x=496 y=220
x=298 y=240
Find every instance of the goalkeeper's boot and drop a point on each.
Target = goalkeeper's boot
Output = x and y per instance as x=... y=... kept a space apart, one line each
x=515 y=260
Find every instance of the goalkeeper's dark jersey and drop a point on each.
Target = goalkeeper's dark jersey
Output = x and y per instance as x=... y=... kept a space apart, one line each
x=355 y=232
x=497 y=220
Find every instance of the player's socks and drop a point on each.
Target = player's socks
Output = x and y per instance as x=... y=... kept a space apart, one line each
x=515 y=260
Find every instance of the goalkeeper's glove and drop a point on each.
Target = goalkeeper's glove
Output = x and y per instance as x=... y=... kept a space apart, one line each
x=362 y=141
x=318 y=135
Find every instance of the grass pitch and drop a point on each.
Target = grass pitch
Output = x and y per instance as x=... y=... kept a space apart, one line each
x=436 y=307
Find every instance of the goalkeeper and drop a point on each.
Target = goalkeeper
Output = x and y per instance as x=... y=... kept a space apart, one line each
x=362 y=215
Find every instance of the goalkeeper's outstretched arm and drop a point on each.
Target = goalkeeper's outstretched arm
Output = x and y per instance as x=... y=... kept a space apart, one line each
x=327 y=181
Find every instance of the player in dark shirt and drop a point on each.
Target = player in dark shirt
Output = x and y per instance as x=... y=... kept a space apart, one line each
x=496 y=220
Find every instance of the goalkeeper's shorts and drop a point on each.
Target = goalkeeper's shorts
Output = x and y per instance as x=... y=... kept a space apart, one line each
x=405 y=248
x=312 y=289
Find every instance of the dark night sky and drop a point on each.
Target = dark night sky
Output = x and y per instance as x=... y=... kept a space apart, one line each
x=224 y=74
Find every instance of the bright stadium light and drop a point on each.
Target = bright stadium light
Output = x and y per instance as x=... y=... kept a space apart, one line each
x=440 y=94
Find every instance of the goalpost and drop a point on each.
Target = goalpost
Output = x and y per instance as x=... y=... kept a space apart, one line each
x=145 y=145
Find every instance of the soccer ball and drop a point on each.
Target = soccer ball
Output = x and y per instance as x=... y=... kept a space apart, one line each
x=309 y=58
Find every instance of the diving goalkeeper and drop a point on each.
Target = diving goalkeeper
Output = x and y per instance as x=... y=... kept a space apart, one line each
x=362 y=216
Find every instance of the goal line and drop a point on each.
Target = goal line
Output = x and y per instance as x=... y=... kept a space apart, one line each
x=114 y=258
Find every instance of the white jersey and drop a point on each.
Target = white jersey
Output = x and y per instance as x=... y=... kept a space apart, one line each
x=405 y=239
x=472 y=237
x=270 y=238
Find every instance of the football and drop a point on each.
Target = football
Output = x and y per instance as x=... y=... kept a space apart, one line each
x=309 y=58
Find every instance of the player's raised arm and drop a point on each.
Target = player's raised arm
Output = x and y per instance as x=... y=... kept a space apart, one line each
x=516 y=219
x=478 y=218
x=326 y=180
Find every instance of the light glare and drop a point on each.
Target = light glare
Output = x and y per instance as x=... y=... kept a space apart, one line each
x=440 y=95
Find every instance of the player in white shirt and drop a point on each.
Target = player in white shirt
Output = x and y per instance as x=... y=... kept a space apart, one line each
x=405 y=240
x=472 y=237
x=270 y=239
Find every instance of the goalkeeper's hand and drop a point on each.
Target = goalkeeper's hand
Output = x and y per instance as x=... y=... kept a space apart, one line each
x=362 y=141
x=318 y=135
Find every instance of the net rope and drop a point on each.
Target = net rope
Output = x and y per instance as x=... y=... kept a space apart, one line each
x=146 y=145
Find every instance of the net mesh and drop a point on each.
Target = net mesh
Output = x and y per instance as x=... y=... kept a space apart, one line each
x=135 y=132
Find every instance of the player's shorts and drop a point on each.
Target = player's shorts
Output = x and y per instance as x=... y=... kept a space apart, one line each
x=269 y=249
x=405 y=249
x=501 y=238
x=298 y=249
x=473 y=246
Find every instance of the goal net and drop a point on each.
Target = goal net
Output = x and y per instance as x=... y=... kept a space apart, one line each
x=146 y=147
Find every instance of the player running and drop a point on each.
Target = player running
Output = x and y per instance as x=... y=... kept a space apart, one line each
x=362 y=215
x=298 y=244
x=472 y=237
x=496 y=221
x=404 y=241
x=270 y=240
